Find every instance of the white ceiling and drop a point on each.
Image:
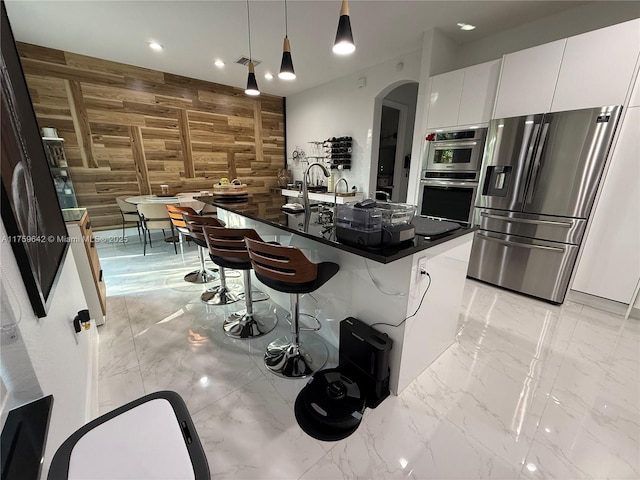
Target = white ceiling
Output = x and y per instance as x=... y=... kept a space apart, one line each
x=194 y=33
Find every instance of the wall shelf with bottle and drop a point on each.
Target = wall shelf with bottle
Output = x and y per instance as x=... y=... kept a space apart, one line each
x=338 y=150
x=54 y=149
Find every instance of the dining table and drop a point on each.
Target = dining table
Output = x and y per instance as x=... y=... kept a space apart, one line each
x=184 y=199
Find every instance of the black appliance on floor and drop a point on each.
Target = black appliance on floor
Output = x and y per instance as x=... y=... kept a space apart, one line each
x=330 y=407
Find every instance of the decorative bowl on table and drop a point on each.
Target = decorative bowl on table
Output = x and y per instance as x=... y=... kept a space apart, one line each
x=235 y=188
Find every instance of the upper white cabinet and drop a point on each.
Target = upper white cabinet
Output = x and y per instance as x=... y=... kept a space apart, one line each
x=609 y=266
x=528 y=80
x=463 y=97
x=444 y=99
x=479 y=93
x=597 y=67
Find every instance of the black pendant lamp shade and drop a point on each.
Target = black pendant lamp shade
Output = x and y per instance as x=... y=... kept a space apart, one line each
x=286 y=67
x=252 y=84
x=344 y=37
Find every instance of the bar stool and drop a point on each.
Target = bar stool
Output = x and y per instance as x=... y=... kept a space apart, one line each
x=228 y=250
x=286 y=269
x=177 y=223
x=194 y=225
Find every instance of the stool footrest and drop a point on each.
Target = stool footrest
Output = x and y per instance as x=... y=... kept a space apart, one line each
x=306 y=329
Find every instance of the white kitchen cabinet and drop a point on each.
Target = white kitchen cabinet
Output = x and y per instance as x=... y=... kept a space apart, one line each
x=463 y=97
x=479 y=93
x=444 y=99
x=528 y=80
x=609 y=266
x=597 y=67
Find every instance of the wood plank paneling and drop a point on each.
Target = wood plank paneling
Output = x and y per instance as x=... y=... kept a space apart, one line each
x=129 y=129
x=185 y=139
x=80 y=122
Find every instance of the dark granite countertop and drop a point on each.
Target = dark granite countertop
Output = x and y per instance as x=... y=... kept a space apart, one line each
x=292 y=222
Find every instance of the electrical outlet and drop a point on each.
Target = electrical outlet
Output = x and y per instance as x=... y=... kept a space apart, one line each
x=422 y=269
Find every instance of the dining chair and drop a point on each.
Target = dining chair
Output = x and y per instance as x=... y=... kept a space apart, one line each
x=129 y=213
x=153 y=216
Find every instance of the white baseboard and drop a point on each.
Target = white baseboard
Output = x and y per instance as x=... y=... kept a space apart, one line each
x=617 y=308
x=91 y=410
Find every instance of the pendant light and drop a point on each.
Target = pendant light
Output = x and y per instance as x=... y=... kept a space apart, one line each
x=252 y=84
x=344 y=38
x=286 y=67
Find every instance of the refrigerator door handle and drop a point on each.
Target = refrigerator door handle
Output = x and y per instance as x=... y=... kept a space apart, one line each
x=527 y=160
x=526 y=220
x=455 y=144
x=531 y=184
x=523 y=245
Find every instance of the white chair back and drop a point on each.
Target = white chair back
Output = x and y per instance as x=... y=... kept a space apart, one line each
x=155 y=216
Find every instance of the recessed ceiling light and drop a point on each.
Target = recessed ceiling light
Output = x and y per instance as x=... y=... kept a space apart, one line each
x=268 y=76
x=155 y=46
x=466 y=26
x=219 y=63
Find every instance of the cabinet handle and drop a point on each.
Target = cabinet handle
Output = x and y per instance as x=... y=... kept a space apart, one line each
x=100 y=276
x=88 y=225
x=93 y=242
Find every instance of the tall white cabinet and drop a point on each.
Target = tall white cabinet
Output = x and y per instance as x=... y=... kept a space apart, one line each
x=609 y=266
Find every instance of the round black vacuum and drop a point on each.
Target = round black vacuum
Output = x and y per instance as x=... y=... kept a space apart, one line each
x=330 y=406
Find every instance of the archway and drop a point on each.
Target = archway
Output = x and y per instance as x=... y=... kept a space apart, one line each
x=392 y=136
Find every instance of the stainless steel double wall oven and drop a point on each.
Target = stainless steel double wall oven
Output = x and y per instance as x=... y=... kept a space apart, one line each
x=450 y=172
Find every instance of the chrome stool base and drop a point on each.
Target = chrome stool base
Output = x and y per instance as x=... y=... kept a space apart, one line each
x=288 y=360
x=248 y=325
x=220 y=296
x=200 y=276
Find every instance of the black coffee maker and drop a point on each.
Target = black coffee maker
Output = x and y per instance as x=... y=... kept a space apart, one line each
x=330 y=407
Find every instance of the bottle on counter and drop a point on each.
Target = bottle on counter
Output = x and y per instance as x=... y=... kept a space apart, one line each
x=331 y=183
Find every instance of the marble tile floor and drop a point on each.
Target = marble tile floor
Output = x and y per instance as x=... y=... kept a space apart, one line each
x=526 y=391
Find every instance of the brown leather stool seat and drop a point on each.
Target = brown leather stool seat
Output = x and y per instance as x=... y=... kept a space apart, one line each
x=228 y=250
x=286 y=269
x=221 y=294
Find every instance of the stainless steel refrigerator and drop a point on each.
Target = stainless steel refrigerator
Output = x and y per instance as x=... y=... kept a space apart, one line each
x=539 y=179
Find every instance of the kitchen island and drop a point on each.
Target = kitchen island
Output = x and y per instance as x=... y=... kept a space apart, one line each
x=410 y=291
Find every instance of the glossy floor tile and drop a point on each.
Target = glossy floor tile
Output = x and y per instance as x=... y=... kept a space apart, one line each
x=526 y=391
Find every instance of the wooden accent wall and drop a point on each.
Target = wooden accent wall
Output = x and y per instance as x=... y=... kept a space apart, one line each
x=129 y=129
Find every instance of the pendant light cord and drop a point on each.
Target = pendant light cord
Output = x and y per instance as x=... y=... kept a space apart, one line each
x=249 y=29
x=286 y=27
